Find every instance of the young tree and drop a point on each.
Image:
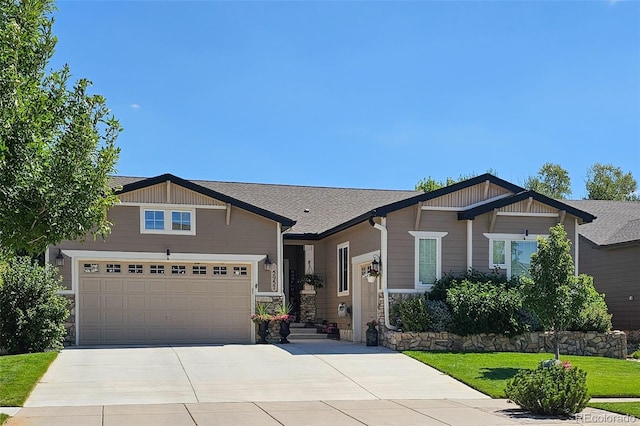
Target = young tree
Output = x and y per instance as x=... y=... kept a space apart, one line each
x=551 y=180
x=553 y=292
x=57 y=144
x=606 y=182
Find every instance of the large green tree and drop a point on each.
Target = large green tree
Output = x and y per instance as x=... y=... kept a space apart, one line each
x=57 y=143
x=551 y=180
x=554 y=293
x=607 y=182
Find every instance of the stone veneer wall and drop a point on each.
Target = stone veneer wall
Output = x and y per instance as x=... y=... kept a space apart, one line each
x=70 y=323
x=274 y=326
x=612 y=344
x=308 y=306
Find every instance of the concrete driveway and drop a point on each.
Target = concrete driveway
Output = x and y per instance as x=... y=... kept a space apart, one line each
x=315 y=370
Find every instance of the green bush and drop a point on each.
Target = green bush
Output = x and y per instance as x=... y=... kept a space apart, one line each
x=413 y=314
x=636 y=355
x=32 y=314
x=439 y=314
x=594 y=315
x=485 y=307
x=555 y=390
x=450 y=279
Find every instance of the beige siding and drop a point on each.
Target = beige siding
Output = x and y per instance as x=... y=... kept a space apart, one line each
x=362 y=238
x=246 y=234
x=525 y=207
x=616 y=273
x=401 y=257
x=168 y=193
x=468 y=196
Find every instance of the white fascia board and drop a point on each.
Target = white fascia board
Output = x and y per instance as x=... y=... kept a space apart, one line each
x=143 y=256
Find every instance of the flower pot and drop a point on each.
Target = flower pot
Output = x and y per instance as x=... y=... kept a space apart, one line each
x=263 y=332
x=284 y=331
x=372 y=337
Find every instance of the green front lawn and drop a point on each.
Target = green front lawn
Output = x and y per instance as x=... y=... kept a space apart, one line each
x=628 y=408
x=3 y=418
x=488 y=372
x=19 y=374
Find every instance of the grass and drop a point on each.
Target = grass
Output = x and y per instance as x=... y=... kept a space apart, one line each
x=19 y=374
x=489 y=372
x=3 y=418
x=628 y=408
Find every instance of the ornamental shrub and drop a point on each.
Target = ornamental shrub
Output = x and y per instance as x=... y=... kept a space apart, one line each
x=552 y=389
x=594 y=315
x=450 y=279
x=439 y=314
x=485 y=307
x=413 y=314
x=32 y=314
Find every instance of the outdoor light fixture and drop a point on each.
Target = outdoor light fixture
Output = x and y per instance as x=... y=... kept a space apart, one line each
x=375 y=265
x=526 y=232
x=168 y=253
x=267 y=264
x=630 y=298
x=59 y=258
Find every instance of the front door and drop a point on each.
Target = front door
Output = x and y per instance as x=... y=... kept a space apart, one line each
x=368 y=306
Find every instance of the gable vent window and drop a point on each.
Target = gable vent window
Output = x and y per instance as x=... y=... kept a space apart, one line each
x=135 y=269
x=113 y=268
x=239 y=270
x=91 y=268
x=178 y=269
x=156 y=269
x=167 y=221
x=199 y=270
x=219 y=270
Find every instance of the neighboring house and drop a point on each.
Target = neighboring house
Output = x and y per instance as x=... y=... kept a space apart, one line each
x=187 y=261
x=610 y=252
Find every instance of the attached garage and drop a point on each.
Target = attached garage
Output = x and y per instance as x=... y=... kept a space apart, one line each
x=131 y=302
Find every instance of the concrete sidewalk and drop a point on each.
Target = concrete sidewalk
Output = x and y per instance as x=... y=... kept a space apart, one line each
x=462 y=412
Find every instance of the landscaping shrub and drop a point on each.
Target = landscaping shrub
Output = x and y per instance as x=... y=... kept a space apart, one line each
x=450 y=279
x=439 y=314
x=484 y=307
x=594 y=315
x=413 y=314
x=32 y=314
x=552 y=389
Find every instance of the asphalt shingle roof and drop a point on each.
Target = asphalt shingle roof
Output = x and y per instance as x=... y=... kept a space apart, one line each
x=327 y=207
x=617 y=222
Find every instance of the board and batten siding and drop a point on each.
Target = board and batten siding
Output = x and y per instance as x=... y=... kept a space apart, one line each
x=362 y=238
x=616 y=273
x=246 y=233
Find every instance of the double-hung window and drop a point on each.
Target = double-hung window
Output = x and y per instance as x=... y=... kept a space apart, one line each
x=428 y=257
x=167 y=221
x=343 y=269
x=512 y=252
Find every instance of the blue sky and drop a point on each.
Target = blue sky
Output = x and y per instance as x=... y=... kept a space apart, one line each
x=362 y=94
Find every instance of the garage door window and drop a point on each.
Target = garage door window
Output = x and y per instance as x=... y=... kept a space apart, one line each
x=156 y=269
x=178 y=269
x=135 y=269
x=199 y=270
x=113 y=268
x=219 y=270
x=91 y=268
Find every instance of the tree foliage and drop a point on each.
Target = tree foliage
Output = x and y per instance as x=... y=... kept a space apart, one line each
x=553 y=292
x=57 y=144
x=430 y=184
x=551 y=180
x=32 y=313
x=607 y=182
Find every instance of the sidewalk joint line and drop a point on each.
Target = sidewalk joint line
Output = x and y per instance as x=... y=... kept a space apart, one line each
x=185 y=373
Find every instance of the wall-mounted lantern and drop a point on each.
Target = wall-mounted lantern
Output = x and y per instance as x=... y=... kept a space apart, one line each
x=59 y=258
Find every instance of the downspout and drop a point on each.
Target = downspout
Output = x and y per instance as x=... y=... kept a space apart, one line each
x=383 y=259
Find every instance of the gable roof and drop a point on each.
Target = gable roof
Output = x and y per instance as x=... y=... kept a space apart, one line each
x=618 y=221
x=314 y=212
x=523 y=195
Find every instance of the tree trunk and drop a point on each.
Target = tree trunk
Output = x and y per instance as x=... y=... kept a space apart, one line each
x=556 y=345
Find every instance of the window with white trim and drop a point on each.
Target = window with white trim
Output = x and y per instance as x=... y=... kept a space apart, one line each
x=343 y=269
x=512 y=252
x=167 y=221
x=428 y=257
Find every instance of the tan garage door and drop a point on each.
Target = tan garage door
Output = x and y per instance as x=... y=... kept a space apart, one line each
x=157 y=303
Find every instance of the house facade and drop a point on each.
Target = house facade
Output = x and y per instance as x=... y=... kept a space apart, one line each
x=610 y=253
x=187 y=261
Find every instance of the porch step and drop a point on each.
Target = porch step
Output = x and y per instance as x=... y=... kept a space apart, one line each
x=300 y=332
